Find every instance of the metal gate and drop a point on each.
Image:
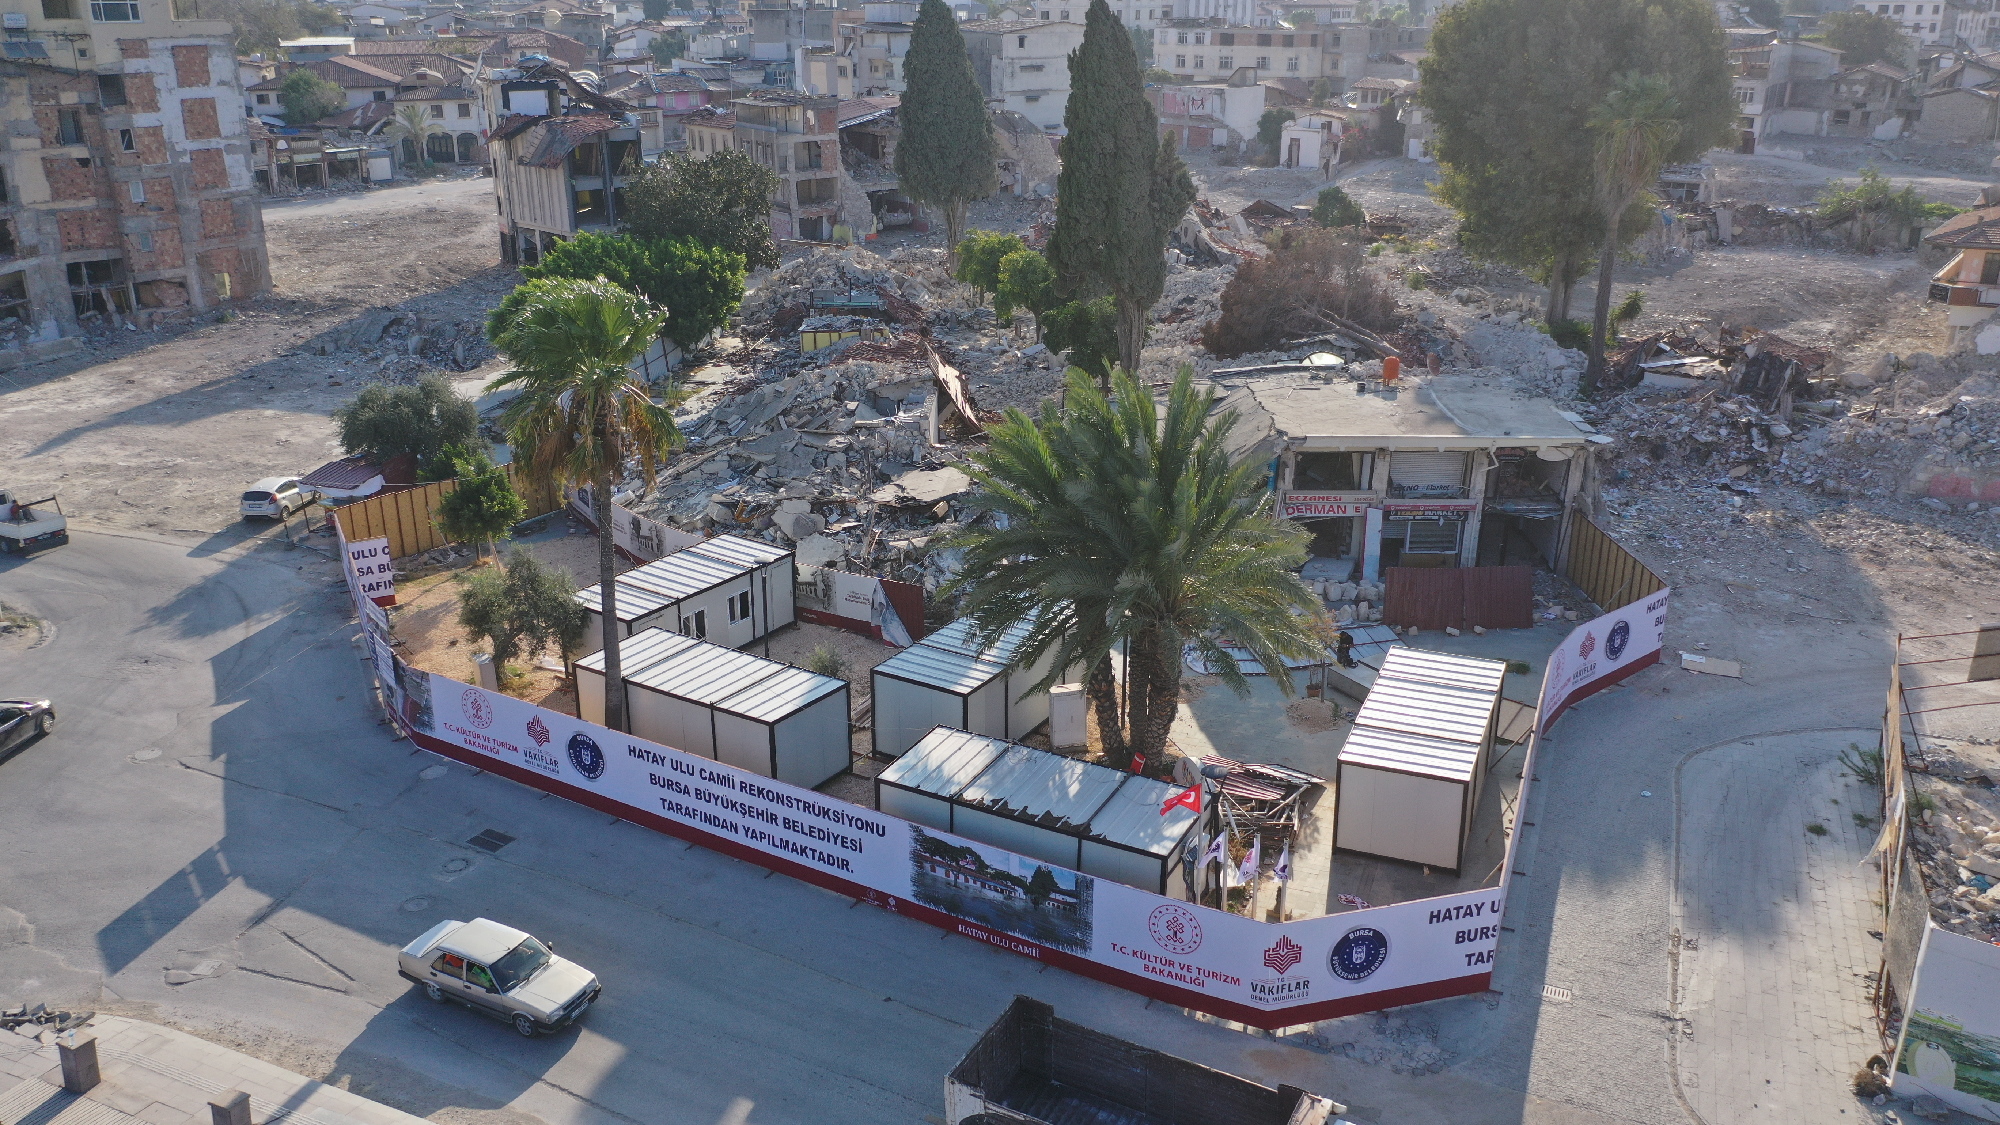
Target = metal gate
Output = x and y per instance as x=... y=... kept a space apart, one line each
x=1494 y=597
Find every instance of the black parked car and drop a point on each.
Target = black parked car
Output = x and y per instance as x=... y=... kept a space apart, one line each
x=22 y=721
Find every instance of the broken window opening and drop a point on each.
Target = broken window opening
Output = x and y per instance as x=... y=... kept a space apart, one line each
x=98 y=290
x=69 y=126
x=111 y=89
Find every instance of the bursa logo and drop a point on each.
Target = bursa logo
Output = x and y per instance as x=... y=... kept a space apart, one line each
x=585 y=756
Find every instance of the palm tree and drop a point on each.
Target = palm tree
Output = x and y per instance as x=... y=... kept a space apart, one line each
x=581 y=414
x=1127 y=525
x=1637 y=126
x=413 y=125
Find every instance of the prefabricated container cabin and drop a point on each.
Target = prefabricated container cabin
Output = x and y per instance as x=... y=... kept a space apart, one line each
x=727 y=590
x=945 y=680
x=742 y=710
x=1037 y=803
x=1411 y=771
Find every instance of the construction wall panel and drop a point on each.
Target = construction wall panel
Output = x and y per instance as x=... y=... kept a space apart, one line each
x=1604 y=570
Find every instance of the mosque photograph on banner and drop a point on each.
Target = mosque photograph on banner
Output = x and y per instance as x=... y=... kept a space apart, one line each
x=1002 y=891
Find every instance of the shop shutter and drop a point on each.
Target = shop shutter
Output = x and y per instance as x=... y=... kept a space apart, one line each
x=1433 y=537
x=1427 y=471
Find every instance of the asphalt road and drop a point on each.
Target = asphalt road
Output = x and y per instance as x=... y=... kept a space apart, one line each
x=220 y=799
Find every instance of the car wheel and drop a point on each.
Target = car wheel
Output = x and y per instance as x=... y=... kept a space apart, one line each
x=47 y=722
x=432 y=990
x=525 y=1024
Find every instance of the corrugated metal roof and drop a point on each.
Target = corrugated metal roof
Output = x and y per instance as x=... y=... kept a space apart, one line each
x=944 y=761
x=664 y=581
x=641 y=651
x=1444 y=668
x=1410 y=753
x=706 y=673
x=1042 y=788
x=941 y=668
x=1417 y=707
x=736 y=549
x=1132 y=818
x=957 y=637
x=785 y=691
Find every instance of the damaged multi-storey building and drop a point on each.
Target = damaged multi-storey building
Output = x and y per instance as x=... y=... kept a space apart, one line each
x=125 y=193
x=560 y=151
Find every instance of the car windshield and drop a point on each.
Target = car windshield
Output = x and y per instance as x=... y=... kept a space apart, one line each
x=520 y=965
x=257 y=497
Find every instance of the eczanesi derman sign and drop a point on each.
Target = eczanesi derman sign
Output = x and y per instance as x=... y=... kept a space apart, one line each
x=1320 y=505
x=1267 y=975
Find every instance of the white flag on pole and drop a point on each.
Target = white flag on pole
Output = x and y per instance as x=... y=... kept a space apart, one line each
x=1252 y=861
x=1217 y=849
x=1283 y=872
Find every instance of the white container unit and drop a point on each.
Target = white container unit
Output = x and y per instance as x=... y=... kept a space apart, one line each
x=742 y=710
x=921 y=785
x=726 y=590
x=1130 y=842
x=1410 y=773
x=635 y=655
x=1035 y=803
x=946 y=680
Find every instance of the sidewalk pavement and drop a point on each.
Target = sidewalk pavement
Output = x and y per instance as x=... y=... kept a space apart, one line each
x=157 y=1076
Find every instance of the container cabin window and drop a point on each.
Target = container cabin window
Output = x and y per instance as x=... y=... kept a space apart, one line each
x=696 y=626
x=1329 y=472
x=114 y=11
x=739 y=607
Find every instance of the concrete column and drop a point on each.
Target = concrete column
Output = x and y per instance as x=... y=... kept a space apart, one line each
x=1371 y=547
x=1468 y=543
x=78 y=1054
x=230 y=1108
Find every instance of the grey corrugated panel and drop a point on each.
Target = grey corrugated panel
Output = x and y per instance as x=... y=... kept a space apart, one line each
x=641 y=651
x=941 y=668
x=944 y=761
x=1418 y=754
x=740 y=551
x=1131 y=818
x=1042 y=788
x=1418 y=707
x=664 y=581
x=957 y=637
x=706 y=673
x=1445 y=668
x=784 y=691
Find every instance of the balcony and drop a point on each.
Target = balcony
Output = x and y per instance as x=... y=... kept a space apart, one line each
x=1959 y=294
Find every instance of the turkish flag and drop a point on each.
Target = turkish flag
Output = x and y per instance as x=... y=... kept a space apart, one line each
x=1189 y=799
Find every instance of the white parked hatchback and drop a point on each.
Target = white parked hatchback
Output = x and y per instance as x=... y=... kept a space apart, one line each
x=499 y=971
x=277 y=497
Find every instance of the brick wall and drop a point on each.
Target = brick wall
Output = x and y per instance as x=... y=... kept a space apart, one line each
x=165 y=255
x=68 y=182
x=198 y=118
x=191 y=65
x=141 y=96
x=218 y=218
x=211 y=171
x=95 y=229
x=228 y=261
x=152 y=143
x=134 y=49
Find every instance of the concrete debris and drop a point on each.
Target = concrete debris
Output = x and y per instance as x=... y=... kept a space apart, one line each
x=1957 y=840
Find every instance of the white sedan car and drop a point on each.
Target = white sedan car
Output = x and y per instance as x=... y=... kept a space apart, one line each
x=278 y=497
x=499 y=971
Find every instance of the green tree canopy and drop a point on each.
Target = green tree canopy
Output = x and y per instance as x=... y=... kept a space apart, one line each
x=698 y=286
x=1335 y=208
x=307 y=97
x=482 y=506
x=524 y=607
x=946 y=157
x=581 y=414
x=979 y=258
x=424 y=420
x=1636 y=126
x=1129 y=524
x=1026 y=282
x=1271 y=127
x=1088 y=331
x=722 y=200
x=1121 y=191
x=1524 y=183
x=1864 y=37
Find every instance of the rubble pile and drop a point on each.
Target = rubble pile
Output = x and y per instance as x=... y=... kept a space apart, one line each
x=403 y=345
x=1957 y=836
x=913 y=285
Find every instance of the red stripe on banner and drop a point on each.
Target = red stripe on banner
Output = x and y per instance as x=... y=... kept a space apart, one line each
x=1599 y=684
x=1132 y=982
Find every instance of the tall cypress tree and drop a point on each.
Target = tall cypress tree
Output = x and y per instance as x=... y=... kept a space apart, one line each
x=947 y=156
x=1121 y=191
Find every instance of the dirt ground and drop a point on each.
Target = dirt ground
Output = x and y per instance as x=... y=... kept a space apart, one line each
x=164 y=430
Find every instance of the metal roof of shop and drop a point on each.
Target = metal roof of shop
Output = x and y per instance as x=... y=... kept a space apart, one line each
x=706 y=673
x=944 y=761
x=664 y=581
x=1131 y=818
x=785 y=691
x=1042 y=788
x=641 y=651
x=941 y=668
x=1444 y=668
x=957 y=637
x=738 y=550
x=1417 y=707
x=1410 y=753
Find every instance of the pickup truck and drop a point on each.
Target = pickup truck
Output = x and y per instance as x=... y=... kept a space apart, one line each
x=25 y=526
